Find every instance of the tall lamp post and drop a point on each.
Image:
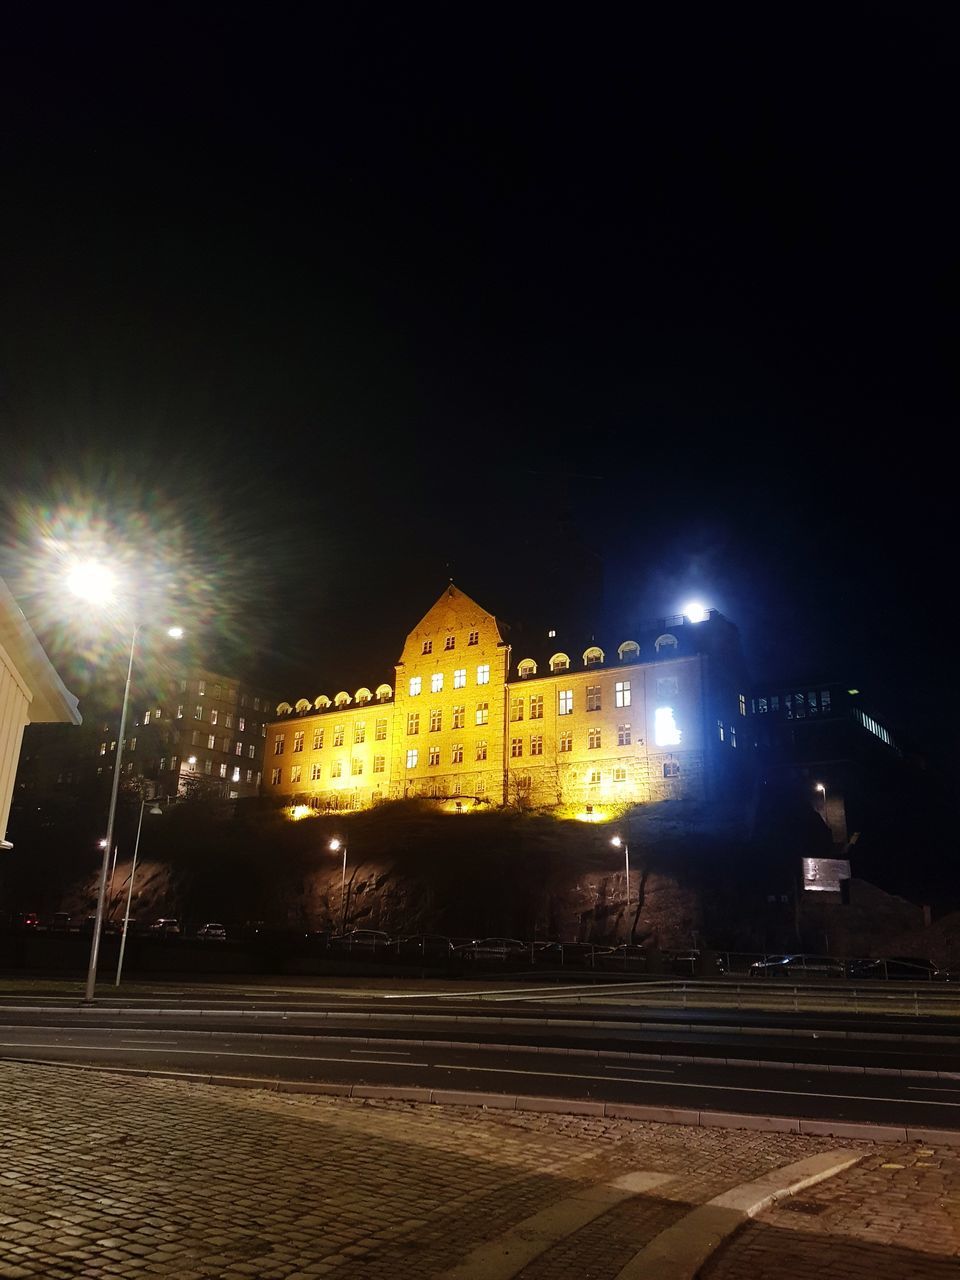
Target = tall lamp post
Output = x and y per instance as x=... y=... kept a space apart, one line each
x=334 y=846
x=619 y=843
x=155 y=808
x=97 y=584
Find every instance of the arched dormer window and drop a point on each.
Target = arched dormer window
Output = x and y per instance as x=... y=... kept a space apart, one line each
x=303 y=704
x=362 y=696
x=284 y=709
x=593 y=656
x=527 y=668
x=629 y=651
x=665 y=643
x=342 y=699
x=384 y=692
x=322 y=702
x=559 y=662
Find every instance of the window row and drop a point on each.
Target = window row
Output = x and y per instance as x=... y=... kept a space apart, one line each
x=796 y=705
x=450 y=642
x=458 y=714
x=459 y=680
x=336 y=770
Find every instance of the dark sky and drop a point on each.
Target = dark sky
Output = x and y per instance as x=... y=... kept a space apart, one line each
x=351 y=298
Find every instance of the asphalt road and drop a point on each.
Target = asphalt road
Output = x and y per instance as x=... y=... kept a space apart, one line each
x=893 y=1070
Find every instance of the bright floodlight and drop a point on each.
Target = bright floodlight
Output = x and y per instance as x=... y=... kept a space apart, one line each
x=820 y=787
x=616 y=840
x=695 y=611
x=334 y=845
x=93 y=582
x=175 y=633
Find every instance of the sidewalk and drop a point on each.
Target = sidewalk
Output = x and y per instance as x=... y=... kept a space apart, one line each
x=105 y=1175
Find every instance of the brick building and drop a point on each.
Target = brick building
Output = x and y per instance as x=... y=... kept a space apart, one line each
x=480 y=711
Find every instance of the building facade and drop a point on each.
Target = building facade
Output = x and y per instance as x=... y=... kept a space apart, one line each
x=482 y=713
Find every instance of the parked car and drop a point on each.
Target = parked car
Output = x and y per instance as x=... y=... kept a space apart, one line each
x=165 y=927
x=627 y=956
x=904 y=968
x=573 y=955
x=431 y=947
x=798 y=966
x=494 y=950
x=212 y=932
x=361 y=942
x=107 y=926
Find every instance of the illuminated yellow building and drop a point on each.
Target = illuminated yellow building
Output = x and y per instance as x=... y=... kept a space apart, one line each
x=480 y=714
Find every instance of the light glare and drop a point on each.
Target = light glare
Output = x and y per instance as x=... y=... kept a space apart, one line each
x=93 y=582
x=665 y=731
x=695 y=612
x=175 y=633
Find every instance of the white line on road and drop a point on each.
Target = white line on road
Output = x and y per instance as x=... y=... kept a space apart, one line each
x=667 y=1071
x=224 y=1053
x=404 y=1053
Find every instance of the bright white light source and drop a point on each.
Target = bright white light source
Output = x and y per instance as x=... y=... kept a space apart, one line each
x=665 y=731
x=695 y=611
x=93 y=582
x=616 y=840
x=334 y=845
x=175 y=633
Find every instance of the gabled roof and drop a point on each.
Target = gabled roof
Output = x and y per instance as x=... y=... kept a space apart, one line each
x=51 y=702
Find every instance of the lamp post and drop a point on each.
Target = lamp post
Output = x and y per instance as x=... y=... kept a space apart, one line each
x=823 y=797
x=616 y=840
x=334 y=846
x=133 y=871
x=97 y=584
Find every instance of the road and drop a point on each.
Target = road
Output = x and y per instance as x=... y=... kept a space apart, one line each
x=878 y=1069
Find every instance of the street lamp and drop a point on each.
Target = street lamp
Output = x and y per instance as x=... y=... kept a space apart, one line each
x=155 y=808
x=616 y=840
x=334 y=846
x=97 y=584
x=823 y=793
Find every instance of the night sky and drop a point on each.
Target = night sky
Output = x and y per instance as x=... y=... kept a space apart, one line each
x=345 y=300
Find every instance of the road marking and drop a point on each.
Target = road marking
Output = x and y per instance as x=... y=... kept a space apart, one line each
x=929 y=1088
x=667 y=1071
x=404 y=1053
x=679 y=1084
x=225 y=1053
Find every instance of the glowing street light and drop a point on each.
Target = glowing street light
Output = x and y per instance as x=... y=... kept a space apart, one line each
x=334 y=846
x=619 y=843
x=97 y=584
x=695 y=611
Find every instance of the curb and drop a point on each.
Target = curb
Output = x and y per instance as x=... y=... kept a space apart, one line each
x=548 y=1106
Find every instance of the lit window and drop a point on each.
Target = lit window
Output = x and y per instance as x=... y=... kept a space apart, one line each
x=433 y=755
x=516 y=708
x=566 y=702
x=133 y=744
x=163 y=763
x=536 y=706
x=565 y=741
x=242 y=723
x=474 y=637
x=427 y=646
x=336 y=769
x=458 y=713
x=338 y=735
x=733 y=736
x=356 y=767
x=456 y=755
x=594 y=778
x=278 y=745
x=198 y=712
x=593 y=697
x=146 y=717
x=251 y=751
x=295 y=772
x=623 y=735
x=415 y=683
x=619 y=774
x=360 y=731
x=592 y=657
x=228 y=721
x=622 y=693
x=825 y=700
x=379 y=764
x=483 y=712
x=180 y=711
x=460 y=678
x=483 y=673
x=275 y=776
x=236 y=774
x=413 y=722
x=481 y=748
x=743 y=703
x=665 y=731
x=317 y=739
x=629 y=651
x=516 y=747
x=436 y=682
x=559 y=662
x=381 y=731
x=593 y=739
x=211 y=741
x=720 y=729
x=762 y=706
x=298 y=740
x=314 y=772
x=249 y=775
x=527 y=668
x=436 y=719
x=201 y=687
x=103 y=748
x=536 y=744
x=671 y=768
x=449 y=643
x=412 y=757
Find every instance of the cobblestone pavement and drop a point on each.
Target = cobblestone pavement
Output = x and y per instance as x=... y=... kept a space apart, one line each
x=106 y=1175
